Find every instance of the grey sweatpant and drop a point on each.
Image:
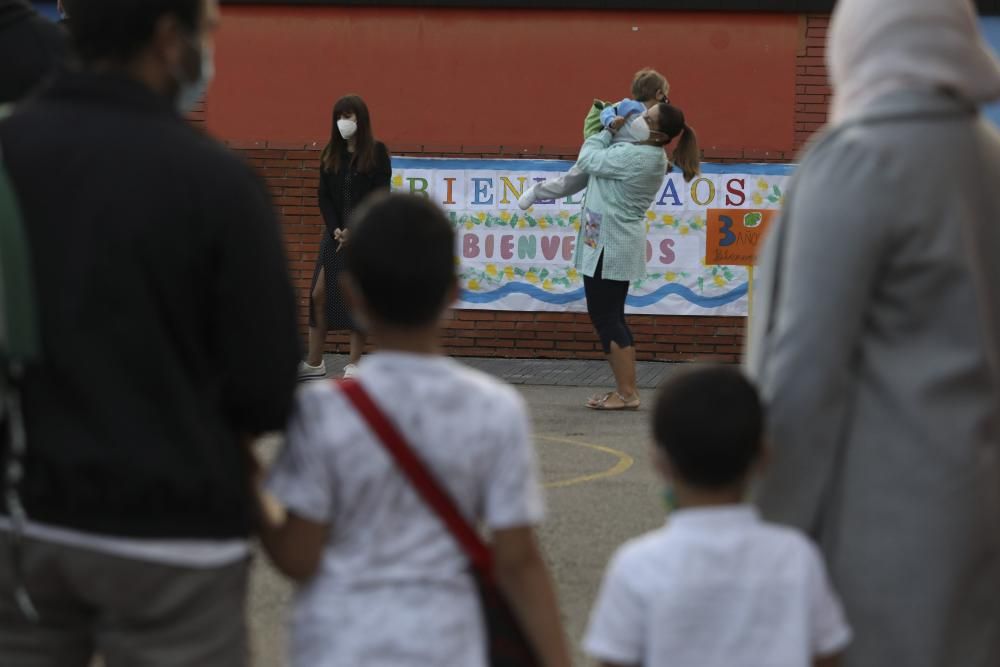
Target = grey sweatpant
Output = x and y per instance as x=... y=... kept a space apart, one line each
x=131 y=613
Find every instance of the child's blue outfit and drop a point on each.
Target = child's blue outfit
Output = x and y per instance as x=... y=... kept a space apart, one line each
x=625 y=108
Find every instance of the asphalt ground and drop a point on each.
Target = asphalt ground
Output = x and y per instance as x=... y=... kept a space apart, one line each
x=601 y=489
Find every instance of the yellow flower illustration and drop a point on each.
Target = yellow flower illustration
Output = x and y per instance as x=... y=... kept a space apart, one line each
x=482 y=216
x=564 y=214
x=719 y=281
x=531 y=277
x=547 y=285
x=762 y=184
x=572 y=274
x=522 y=223
x=576 y=225
x=670 y=276
x=543 y=223
x=757 y=199
x=491 y=270
x=650 y=215
x=469 y=225
x=473 y=284
x=508 y=272
x=668 y=219
x=397 y=181
x=505 y=216
x=684 y=230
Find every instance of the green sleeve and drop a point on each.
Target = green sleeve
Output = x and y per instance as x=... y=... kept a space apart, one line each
x=592 y=123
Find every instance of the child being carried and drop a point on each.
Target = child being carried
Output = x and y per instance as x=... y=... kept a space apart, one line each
x=649 y=88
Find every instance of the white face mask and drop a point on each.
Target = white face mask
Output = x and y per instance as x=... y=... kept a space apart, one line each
x=639 y=129
x=191 y=92
x=347 y=127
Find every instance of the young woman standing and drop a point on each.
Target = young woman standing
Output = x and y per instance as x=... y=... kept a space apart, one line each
x=352 y=166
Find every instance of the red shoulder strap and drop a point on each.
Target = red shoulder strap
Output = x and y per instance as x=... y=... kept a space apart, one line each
x=420 y=477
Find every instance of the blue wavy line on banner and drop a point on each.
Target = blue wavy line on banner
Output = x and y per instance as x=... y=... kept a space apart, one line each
x=634 y=301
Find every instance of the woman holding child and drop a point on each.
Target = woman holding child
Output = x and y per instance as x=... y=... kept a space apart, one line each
x=624 y=178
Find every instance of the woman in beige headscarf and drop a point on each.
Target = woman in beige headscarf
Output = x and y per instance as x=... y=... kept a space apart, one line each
x=873 y=337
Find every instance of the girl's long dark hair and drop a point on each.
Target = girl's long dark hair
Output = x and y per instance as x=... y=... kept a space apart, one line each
x=363 y=159
x=687 y=155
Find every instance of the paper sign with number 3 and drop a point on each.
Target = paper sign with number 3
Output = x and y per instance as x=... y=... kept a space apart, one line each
x=734 y=235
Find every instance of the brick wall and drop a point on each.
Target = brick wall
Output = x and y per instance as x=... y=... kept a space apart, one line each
x=812 y=86
x=197 y=115
x=291 y=172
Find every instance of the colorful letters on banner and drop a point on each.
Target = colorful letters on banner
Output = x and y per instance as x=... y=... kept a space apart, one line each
x=511 y=259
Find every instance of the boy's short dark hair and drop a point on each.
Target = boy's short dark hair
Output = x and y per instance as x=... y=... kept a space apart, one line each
x=401 y=254
x=709 y=422
x=646 y=84
x=119 y=29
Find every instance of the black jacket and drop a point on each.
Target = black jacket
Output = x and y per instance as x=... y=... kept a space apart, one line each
x=30 y=49
x=332 y=202
x=166 y=312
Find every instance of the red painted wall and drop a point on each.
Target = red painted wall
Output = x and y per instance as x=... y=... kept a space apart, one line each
x=488 y=83
x=499 y=81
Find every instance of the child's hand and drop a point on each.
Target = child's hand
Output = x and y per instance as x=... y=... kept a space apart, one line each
x=616 y=124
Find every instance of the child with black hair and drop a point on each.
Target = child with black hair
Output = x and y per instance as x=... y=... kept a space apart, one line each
x=717 y=585
x=383 y=582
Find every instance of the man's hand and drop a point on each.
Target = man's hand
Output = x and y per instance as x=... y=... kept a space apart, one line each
x=254 y=464
x=616 y=124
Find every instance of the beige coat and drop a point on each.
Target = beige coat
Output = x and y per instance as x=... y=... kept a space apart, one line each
x=872 y=333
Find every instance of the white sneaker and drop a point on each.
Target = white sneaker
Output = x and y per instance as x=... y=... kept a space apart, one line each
x=350 y=370
x=309 y=372
x=527 y=199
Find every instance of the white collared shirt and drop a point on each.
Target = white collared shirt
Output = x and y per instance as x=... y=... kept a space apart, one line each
x=717 y=587
x=393 y=588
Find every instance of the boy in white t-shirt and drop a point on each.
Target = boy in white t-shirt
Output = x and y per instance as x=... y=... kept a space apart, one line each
x=716 y=587
x=382 y=581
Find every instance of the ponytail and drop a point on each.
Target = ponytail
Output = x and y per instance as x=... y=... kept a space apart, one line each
x=687 y=155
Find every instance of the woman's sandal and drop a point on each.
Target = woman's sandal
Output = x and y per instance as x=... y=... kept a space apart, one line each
x=601 y=402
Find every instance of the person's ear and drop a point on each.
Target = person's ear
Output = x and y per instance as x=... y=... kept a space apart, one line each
x=169 y=46
x=450 y=297
x=354 y=298
x=661 y=462
x=763 y=459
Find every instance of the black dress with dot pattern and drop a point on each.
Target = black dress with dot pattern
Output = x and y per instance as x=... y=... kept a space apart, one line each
x=339 y=194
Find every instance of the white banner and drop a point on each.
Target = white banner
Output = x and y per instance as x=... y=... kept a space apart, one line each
x=523 y=260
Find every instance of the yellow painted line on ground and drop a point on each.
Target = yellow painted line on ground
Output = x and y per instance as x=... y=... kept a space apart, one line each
x=624 y=462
